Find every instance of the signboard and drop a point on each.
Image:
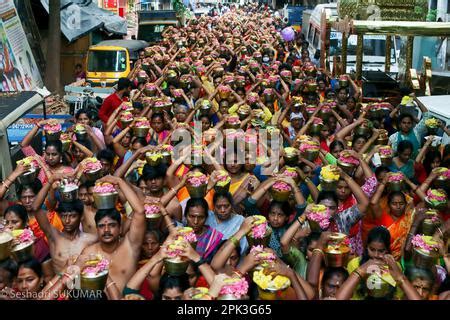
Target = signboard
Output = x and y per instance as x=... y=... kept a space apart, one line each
x=111 y=5
x=20 y=72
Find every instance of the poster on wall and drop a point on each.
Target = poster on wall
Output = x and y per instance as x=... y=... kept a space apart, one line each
x=18 y=69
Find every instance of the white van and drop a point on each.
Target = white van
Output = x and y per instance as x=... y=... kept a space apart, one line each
x=374 y=45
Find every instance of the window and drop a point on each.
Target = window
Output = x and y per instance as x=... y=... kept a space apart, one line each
x=316 y=39
x=107 y=61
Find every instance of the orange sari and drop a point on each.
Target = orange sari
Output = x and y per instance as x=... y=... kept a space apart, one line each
x=397 y=228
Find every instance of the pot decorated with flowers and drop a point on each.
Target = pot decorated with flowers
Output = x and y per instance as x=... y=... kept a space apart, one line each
x=291 y=156
x=431 y=222
x=126 y=118
x=175 y=264
x=329 y=177
x=380 y=282
x=198 y=293
x=235 y=288
x=325 y=109
x=243 y=112
x=396 y=181
x=280 y=191
x=436 y=199
x=365 y=129
x=167 y=152
x=6 y=240
x=268 y=94
x=218 y=71
x=383 y=138
x=233 y=122
x=105 y=195
x=126 y=106
x=224 y=92
x=310 y=110
x=141 y=127
x=52 y=130
x=264 y=257
x=80 y=132
x=272 y=132
x=196 y=184
x=92 y=168
x=152 y=214
x=142 y=76
x=291 y=172
x=425 y=251
x=309 y=69
x=66 y=141
x=68 y=191
x=270 y=286
x=150 y=89
x=347 y=162
x=386 y=155
x=240 y=81
x=337 y=250
x=309 y=149
x=205 y=106
x=318 y=216
x=94 y=273
x=188 y=235
x=432 y=126
x=178 y=95
x=261 y=232
x=286 y=75
x=252 y=99
x=30 y=175
x=223 y=182
x=343 y=81
x=311 y=85
x=22 y=245
x=153 y=158
x=316 y=126
x=443 y=179
x=296 y=71
x=158 y=106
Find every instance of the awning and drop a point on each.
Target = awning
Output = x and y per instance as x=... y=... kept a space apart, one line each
x=80 y=17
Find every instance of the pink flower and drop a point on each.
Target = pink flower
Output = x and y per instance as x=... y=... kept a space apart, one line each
x=224 y=88
x=419 y=241
x=290 y=173
x=285 y=73
x=177 y=93
x=233 y=120
x=395 y=177
x=386 y=151
x=100 y=267
x=317 y=121
x=126 y=116
x=188 y=234
x=446 y=174
x=320 y=214
x=236 y=287
x=159 y=103
x=309 y=146
x=259 y=231
x=436 y=195
x=281 y=186
x=142 y=123
x=268 y=91
x=150 y=86
x=151 y=209
x=197 y=179
x=251 y=138
x=26 y=236
x=348 y=159
x=91 y=165
x=104 y=188
x=53 y=127
x=233 y=134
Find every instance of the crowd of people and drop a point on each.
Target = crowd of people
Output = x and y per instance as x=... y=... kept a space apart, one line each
x=229 y=166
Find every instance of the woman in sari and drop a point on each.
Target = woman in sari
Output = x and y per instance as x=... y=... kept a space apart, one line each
x=395 y=212
x=403 y=162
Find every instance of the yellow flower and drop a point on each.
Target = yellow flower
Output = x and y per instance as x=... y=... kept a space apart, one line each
x=329 y=173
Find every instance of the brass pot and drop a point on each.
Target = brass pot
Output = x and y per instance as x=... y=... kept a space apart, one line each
x=337 y=259
x=167 y=158
x=363 y=131
x=105 y=200
x=52 y=136
x=5 y=245
x=81 y=135
x=280 y=196
x=314 y=226
x=96 y=283
x=222 y=190
x=310 y=155
x=429 y=227
x=68 y=196
x=395 y=186
x=22 y=253
x=235 y=126
x=441 y=182
x=343 y=83
x=423 y=259
x=312 y=87
x=140 y=132
x=125 y=123
x=436 y=205
x=152 y=162
x=27 y=177
x=196 y=192
x=243 y=115
x=262 y=241
x=150 y=92
x=378 y=288
x=158 y=109
x=386 y=160
x=315 y=128
x=328 y=185
x=224 y=95
x=347 y=167
x=66 y=145
x=271 y=294
x=175 y=266
x=93 y=175
x=153 y=220
x=227 y=297
x=291 y=159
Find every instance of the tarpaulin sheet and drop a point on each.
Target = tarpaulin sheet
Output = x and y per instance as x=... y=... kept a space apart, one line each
x=80 y=17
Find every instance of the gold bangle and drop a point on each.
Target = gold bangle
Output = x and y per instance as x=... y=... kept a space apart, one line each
x=318 y=250
x=6 y=186
x=110 y=284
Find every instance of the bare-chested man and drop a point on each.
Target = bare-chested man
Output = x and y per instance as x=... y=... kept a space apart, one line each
x=66 y=245
x=85 y=194
x=122 y=252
